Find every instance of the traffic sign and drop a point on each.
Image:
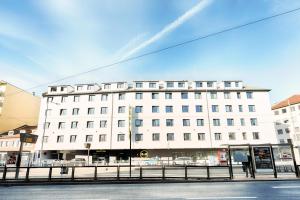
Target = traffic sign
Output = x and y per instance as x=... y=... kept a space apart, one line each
x=144 y=154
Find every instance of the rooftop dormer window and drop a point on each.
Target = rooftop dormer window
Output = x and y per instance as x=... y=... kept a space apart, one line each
x=227 y=84
x=181 y=84
x=106 y=86
x=138 y=85
x=120 y=85
x=152 y=85
x=170 y=84
x=62 y=89
x=210 y=84
x=237 y=84
x=90 y=87
x=79 y=88
x=199 y=84
x=53 y=89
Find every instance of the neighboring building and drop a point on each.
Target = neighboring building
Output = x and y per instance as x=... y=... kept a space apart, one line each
x=169 y=118
x=10 y=145
x=287 y=122
x=17 y=107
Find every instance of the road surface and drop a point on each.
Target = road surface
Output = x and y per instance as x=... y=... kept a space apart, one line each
x=178 y=191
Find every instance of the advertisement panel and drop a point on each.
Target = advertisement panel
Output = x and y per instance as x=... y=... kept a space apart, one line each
x=263 y=158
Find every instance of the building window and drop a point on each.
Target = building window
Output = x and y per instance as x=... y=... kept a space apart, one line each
x=103 y=110
x=120 y=85
x=121 y=137
x=48 y=112
x=227 y=95
x=199 y=108
x=76 y=99
x=79 y=88
x=244 y=134
x=228 y=108
x=91 y=111
x=181 y=84
x=155 y=109
x=138 y=137
x=283 y=110
x=168 y=95
x=75 y=111
x=90 y=87
x=106 y=86
x=253 y=122
x=89 y=124
x=240 y=108
x=91 y=98
x=227 y=84
x=231 y=136
x=280 y=131
x=88 y=138
x=103 y=124
x=47 y=125
x=73 y=138
x=199 y=84
x=184 y=95
x=138 y=95
x=201 y=136
x=121 y=123
x=155 y=137
x=210 y=84
x=155 y=122
x=242 y=122
x=185 y=109
x=45 y=140
x=121 y=96
x=287 y=130
x=236 y=84
x=61 y=125
x=138 y=122
x=238 y=95
x=281 y=141
x=215 y=108
x=63 y=99
x=152 y=85
x=139 y=85
x=121 y=109
x=186 y=122
x=187 y=136
x=50 y=99
x=293 y=109
x=53 y=89
x=197 y=95
x=154 y=95
x=138 y=109
x=249 y=95
x=216 y=122
x=63 y=112
x=74 y=124
x=170 y=84
x=170 y=136
x=60 y=139
x=169 y=109
x=218 y=136
x=213 y=95
x=102 y=137
x=251 y=108
x=169 y=122
x=200 y=122
x=230 y=122
x=255 y=136
x=104 y=97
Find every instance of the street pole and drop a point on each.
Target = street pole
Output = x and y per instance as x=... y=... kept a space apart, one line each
x=18 y=163
x=88 y=156
x=44 y=130
x=129 y=127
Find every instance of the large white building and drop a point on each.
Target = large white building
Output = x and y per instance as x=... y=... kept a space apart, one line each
x=287 y=122
x=168 y=118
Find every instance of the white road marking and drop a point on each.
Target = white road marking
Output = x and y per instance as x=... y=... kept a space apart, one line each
x=286 y=187
x=207 y=198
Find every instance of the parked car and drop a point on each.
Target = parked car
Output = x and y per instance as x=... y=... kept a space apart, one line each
x=182 y=161
x=78 y=162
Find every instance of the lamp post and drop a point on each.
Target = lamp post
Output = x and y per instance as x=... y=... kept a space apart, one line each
x=87 y=145
x=44 y=129
x=129 y=130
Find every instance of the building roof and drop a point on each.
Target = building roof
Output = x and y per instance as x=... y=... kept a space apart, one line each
x=27 y=128
x=295 y=99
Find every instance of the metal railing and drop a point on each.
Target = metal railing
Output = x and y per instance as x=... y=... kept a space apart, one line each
x=112 y=173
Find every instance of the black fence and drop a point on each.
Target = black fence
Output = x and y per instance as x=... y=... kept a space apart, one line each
x=112 y=173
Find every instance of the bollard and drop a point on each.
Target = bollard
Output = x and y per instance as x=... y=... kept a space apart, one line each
x=27 y=174
x=207 y=171
x=185 y=172
x=95 y=173
x=118 y=172
x=163 y=172
x=73 y=173
x=50 y=174
x=4 y=173
x=141 y=172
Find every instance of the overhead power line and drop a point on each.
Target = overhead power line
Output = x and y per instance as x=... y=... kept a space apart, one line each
x=163 y=49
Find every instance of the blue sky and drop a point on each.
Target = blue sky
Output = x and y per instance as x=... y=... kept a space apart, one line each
x=42 y=41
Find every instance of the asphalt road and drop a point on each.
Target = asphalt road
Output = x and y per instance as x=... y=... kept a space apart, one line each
x=177 y=191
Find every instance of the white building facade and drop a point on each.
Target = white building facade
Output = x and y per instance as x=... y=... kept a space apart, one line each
x=287 y=122
x=168 y=118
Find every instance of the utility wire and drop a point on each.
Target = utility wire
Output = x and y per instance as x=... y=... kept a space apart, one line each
x=164 y=49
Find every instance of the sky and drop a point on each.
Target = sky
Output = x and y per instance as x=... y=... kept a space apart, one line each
x=45 y=40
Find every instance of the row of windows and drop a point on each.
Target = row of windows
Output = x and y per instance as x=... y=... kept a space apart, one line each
x=155 y=95
x=155 y=109
x=284 y=110
x=156 y=123
x=157 y=137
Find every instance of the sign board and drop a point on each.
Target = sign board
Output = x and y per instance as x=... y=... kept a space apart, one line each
x=87 y=145
x=28 y=138
x=144 y=154
x=263 y=158
x=240 y=156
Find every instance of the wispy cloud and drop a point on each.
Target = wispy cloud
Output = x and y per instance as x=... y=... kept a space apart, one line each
x=170 y=27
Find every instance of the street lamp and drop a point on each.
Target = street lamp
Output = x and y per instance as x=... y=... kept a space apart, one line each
x=44 y=127
x=87 y=145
